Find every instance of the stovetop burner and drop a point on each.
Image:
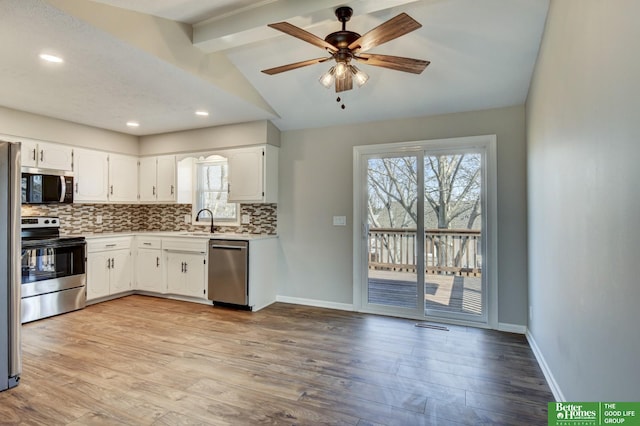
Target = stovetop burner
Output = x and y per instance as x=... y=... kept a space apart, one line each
x=44 y=230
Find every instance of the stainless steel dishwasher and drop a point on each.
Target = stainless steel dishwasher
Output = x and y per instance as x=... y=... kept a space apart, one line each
x=229 y=272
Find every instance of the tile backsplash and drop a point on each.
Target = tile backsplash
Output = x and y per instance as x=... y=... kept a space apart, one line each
x=81 y=218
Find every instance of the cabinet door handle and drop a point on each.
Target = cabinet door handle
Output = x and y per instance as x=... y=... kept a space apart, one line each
x=185 y=267
x=147 y=244
x=34 y=154
x=76 y=187
x=108 y=263
x=171 y=189
x=157 y=262
x=111 y=190
x=154 y=190
x=41 y=155
x=109 y=245
x=113 y=262
x=182 y=267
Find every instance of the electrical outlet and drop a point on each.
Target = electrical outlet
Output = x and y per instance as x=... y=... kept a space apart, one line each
x=187 y=218
x=245 y=219
x=99 y=219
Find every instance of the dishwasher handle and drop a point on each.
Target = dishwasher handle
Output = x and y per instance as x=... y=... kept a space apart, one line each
x=216 y=246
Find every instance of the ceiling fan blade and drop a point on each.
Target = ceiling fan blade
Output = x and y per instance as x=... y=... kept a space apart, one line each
x=289 y=67
x=344 y=84
x=387 y=31
x=415 y=66
x=298 y=32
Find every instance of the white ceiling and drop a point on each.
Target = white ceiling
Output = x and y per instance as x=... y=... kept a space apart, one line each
x=129 y=60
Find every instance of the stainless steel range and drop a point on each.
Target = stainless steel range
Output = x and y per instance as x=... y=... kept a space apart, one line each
x=53 y=269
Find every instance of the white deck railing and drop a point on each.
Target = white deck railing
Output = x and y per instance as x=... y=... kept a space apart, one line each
x=450 y=251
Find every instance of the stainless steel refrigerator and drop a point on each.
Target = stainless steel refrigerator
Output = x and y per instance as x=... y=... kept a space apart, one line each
x=10 y=280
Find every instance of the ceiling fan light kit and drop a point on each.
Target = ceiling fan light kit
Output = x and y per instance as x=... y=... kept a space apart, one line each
x=328 y=77
x=345 y=46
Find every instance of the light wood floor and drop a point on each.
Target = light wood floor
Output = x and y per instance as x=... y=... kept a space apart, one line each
x=149 y=361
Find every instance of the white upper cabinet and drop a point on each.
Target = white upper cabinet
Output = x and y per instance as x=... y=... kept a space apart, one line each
x=253 y=174
x=91 y=172
x=158 y=179
x=101 y=177
x=123 y=175
x=47 y=155
x=147 y=179
x=166 y=178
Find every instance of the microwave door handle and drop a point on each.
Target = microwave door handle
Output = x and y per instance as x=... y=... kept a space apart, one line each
x=63 y=184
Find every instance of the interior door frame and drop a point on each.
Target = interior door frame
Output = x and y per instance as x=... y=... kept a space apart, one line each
x=488 y=143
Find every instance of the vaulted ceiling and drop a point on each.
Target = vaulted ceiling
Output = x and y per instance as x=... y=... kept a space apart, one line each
x=158 y=61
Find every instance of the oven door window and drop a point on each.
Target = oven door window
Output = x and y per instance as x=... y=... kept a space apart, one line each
x=44 y=263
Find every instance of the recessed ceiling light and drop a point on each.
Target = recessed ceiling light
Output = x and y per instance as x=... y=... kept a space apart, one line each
x=133 y=124
x=202 y=113
x=51 y=58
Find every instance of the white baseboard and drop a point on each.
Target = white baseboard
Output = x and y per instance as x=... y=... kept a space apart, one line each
x=256 y=308
x=512 y=328
x=316 y=303
x=548 y=374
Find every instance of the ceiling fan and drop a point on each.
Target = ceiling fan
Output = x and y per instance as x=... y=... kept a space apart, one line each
x=345 y=46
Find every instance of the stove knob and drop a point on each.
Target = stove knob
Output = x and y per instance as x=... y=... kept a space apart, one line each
x=54 y=221
x=46 y=222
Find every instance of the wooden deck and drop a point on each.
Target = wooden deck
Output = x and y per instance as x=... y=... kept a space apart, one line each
x=451 y=293
x=148 y=361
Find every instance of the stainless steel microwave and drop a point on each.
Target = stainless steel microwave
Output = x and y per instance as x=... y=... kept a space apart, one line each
x=50 y=187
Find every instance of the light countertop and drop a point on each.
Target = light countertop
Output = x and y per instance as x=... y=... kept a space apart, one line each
x=179 y=234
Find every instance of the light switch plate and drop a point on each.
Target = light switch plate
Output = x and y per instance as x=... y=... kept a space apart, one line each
x=187 y=218
x=245 y=219
x=339 y=221
x=99 y=219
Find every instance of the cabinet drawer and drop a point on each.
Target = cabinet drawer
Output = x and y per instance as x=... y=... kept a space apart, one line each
x=185 y=245
x=103 y=244
x=148 y=242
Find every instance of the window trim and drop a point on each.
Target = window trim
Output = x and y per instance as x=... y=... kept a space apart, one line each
x=205 y=219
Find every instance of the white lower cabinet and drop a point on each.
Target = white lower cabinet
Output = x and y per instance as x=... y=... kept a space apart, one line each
x=186 y=266
x=186 y=274
x=150 y=265
x=109 y=266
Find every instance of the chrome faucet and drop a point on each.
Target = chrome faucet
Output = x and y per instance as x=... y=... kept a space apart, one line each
x=210 y=214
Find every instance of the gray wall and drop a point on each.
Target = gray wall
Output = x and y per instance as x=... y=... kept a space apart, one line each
x=211 y=138
x=33 y=126
x=583 y=141
x=316 y=183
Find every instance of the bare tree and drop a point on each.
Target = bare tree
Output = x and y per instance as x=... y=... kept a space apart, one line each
x=452 y=188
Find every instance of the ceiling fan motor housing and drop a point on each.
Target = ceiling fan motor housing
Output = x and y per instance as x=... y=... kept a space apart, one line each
x=342 y=39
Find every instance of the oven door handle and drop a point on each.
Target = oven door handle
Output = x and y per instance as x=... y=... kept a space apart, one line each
x=63 y=184
x=51 y=244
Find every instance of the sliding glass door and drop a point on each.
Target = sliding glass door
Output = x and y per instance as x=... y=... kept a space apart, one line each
x=393 y=281
x=422 y=249
x=453 y=234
